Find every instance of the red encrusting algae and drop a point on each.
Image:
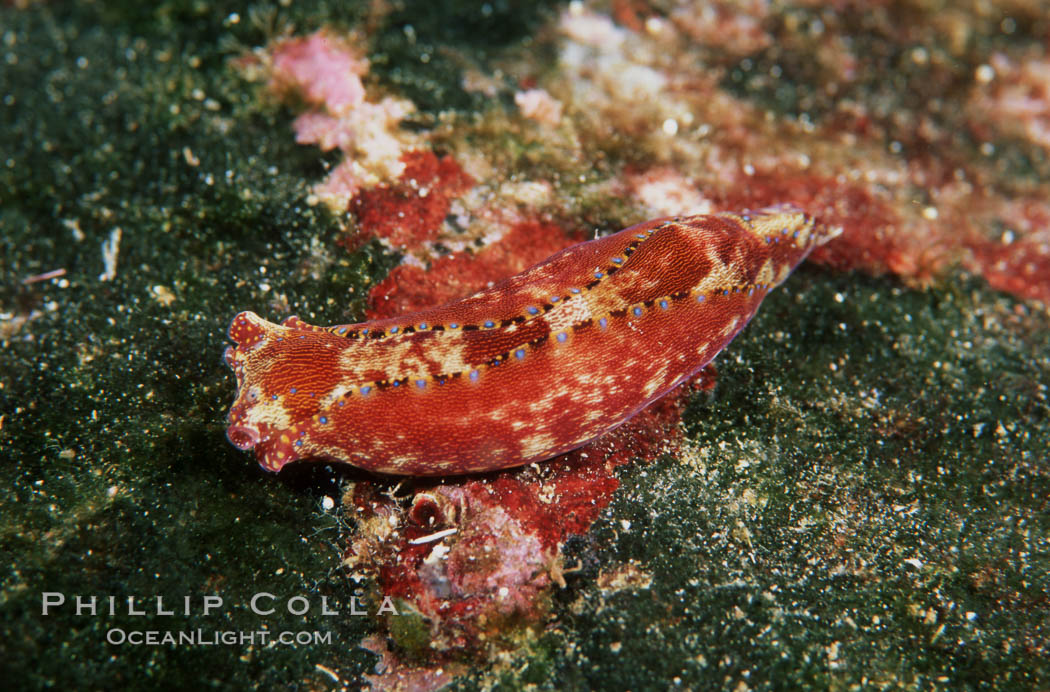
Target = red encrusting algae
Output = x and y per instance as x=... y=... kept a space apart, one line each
x=411 y=211
x=873 y=238
x=409 y=287
x=504 y=557
x=1018 y=261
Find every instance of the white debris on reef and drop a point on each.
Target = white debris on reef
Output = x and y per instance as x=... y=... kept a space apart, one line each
x=110 y=251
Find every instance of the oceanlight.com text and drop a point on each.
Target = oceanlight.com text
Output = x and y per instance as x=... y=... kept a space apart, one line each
x=200 y=637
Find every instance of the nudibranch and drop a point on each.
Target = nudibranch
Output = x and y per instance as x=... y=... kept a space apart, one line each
x=532 y=367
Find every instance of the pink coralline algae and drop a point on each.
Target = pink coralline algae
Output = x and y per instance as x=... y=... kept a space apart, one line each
x=1013 y=95
x=323 y=69
x=538 y=105
x=326 y=73
x=664 y=192
x=732 y=26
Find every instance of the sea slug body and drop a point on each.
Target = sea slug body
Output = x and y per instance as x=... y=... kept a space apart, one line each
x=535 y=366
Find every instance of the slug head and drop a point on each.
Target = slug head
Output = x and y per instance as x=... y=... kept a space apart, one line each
x=267 y=414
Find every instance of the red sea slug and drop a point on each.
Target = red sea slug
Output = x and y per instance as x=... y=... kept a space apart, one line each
x=535 y=366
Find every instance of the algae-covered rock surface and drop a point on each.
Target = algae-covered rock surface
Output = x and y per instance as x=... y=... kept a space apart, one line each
x=855 y=495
